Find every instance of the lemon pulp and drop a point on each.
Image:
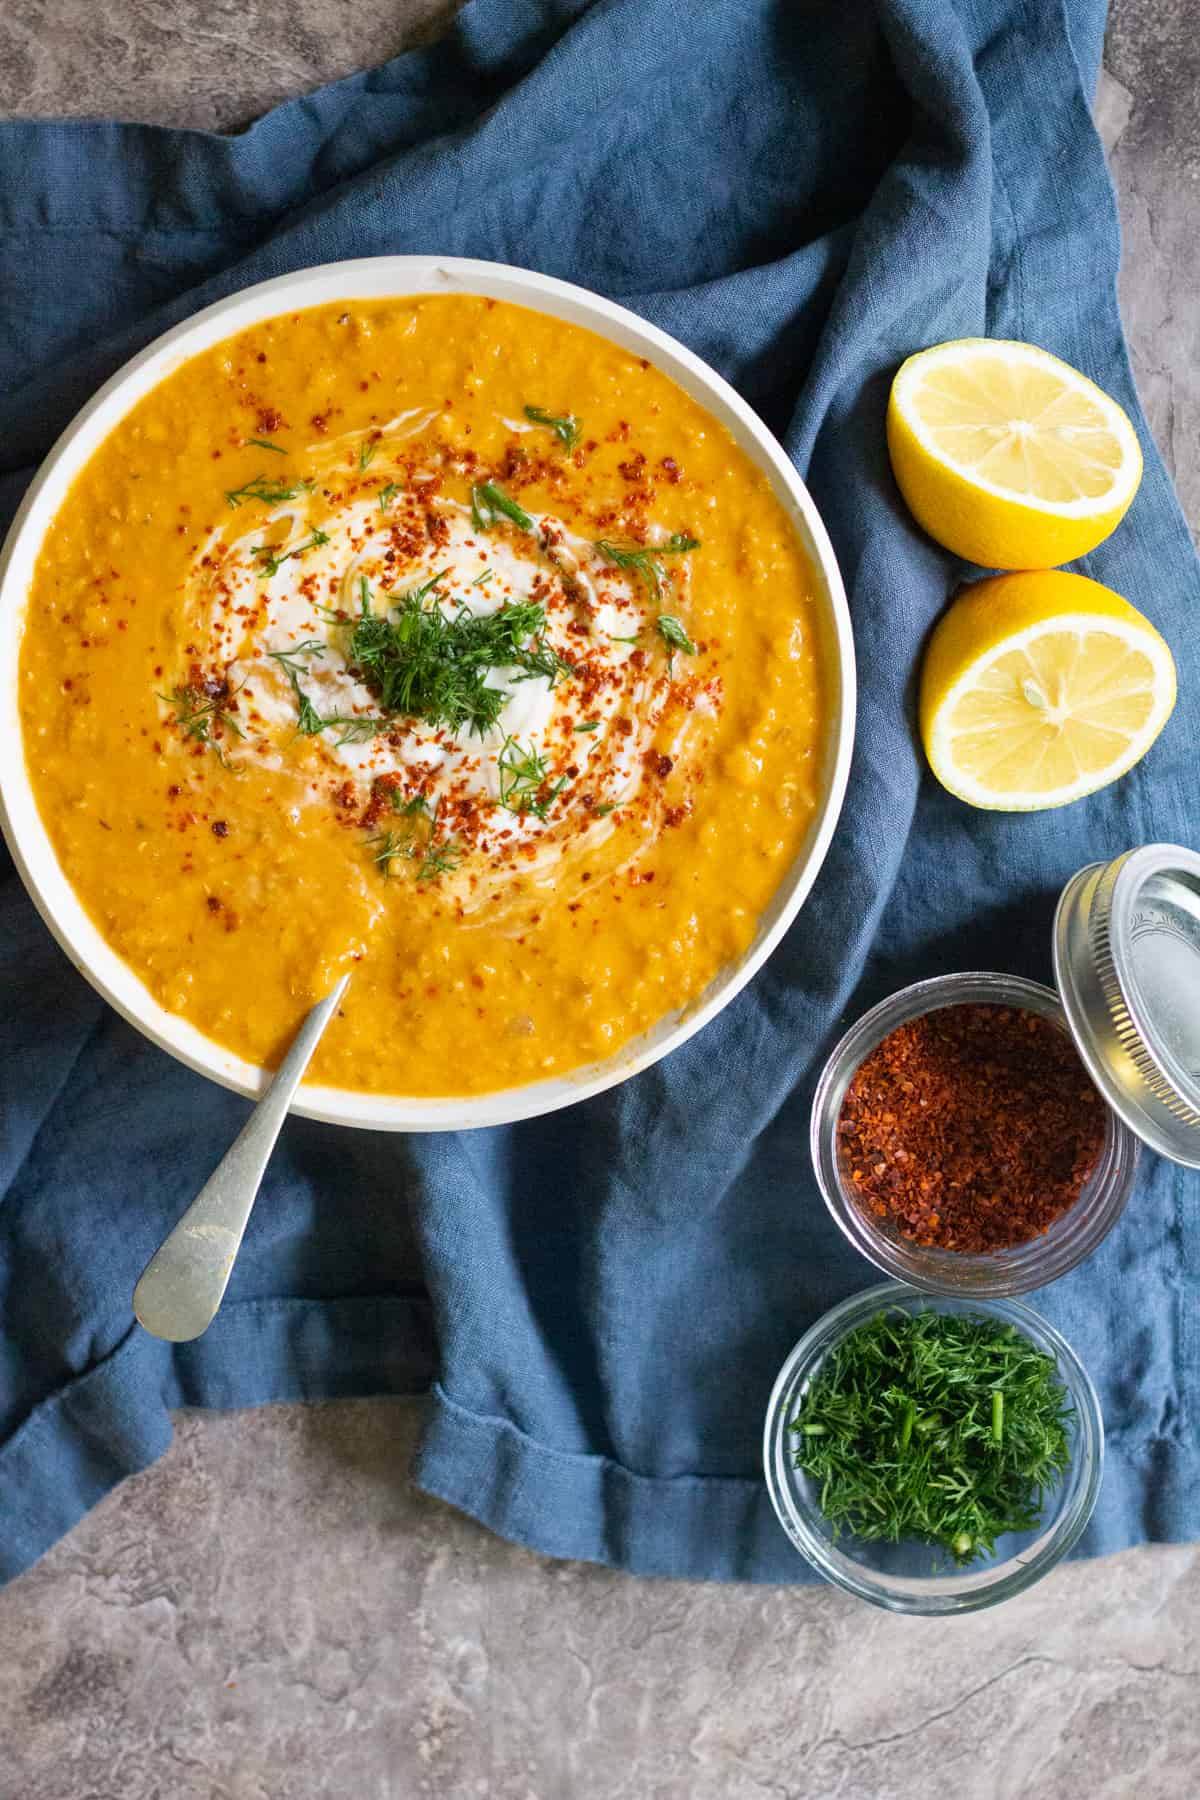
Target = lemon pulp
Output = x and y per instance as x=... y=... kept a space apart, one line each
x=1008 y=455
x=1039 y=688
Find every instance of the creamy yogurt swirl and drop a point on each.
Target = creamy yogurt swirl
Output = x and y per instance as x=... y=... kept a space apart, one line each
x=277 y=590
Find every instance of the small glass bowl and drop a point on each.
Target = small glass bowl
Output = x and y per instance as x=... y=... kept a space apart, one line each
x=1074 y=1235
x=913 y=1577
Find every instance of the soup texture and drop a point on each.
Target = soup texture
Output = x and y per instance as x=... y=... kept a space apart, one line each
x=436 y=641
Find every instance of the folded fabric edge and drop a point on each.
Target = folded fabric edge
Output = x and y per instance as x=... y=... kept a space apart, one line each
x=113 y=1420
x=590 y=1509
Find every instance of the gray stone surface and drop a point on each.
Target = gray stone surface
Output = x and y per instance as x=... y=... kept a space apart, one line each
x=271 y=1613
x=213 y=64
x=1153 y=52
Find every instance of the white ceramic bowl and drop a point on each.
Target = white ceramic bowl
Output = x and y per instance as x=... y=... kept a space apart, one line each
x=369 y=279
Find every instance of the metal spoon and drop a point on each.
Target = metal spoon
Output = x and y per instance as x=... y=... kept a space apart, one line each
x=183 y=1284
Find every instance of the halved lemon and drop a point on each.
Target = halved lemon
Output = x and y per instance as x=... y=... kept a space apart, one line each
x=1038 y=688
x=1009 y=456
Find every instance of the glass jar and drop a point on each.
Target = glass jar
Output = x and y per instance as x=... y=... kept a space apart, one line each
x=1126 y=946
x=1072 y=1236
x=909 y=1576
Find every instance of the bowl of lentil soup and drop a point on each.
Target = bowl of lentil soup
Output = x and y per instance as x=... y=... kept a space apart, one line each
x=959 y=1142
x=389 y=618
x=988 y=1420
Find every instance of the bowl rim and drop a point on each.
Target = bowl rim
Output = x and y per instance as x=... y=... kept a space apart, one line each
x=990 y=1586
x=403 y=277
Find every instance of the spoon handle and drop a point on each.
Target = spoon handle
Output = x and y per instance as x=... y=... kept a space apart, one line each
x=182 y=1285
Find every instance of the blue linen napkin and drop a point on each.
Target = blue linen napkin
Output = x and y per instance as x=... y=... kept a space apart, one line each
x=804 y=194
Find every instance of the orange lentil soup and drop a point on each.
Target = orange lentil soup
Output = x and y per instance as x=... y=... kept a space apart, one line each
x=437 y=641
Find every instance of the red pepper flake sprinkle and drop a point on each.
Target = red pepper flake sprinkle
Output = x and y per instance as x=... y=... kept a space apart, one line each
x=972 y=1128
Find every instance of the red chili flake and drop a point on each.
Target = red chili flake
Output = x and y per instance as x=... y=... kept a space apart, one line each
x=219 y=828
x=632 y=470
x=670 y=469
x=380 y=802
x=660 y=764
x=269 y=419
x=971 y=1128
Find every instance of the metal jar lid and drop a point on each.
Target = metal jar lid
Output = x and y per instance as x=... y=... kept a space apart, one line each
x=1127 y=964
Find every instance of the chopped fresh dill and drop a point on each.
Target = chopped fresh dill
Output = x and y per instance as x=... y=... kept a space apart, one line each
x=602 y=811
x=645 y=559
x=674 y=636
x=387 y=494
x=589 y=725
x=418 y=662
x=538 y=658
x=197 y=713
x=482 y=580
x=352 y=728
x=948 y=1428
x=441 y=858
x=411 y=808
x=426 y=587
x=524 y=774
x=565 y=426
x=434 y=856
x=309 y=722
x=366 y=452
x=266 y=444
x=490 y=502
x=391 y=846
x=297 y=658
x=271 y=563
x=269 y=491
x=633 y=639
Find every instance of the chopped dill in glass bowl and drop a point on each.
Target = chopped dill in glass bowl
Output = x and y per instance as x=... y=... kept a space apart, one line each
x=933 y=1454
